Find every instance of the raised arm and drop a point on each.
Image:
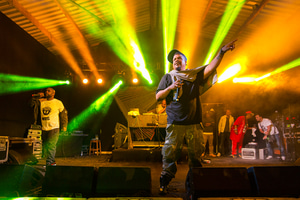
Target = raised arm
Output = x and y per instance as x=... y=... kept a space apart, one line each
x=217 y=60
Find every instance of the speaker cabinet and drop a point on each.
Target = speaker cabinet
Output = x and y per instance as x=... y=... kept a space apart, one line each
x=124 y=181
x=19 y=180
x=4 y=145
x=218 y=182
x=61 y=180
x=69 y=145
x=276 y=181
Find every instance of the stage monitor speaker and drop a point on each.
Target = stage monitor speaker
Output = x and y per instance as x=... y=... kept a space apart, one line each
x=218 y=182
x=276 y=181
x=4 y=146
x=21 y=157
x=19 y=180
x=124 y=181
x=62 y=180
x=69 y=145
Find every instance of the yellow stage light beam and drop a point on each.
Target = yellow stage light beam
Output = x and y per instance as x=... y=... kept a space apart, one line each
x=244 y=80
x=61 y=47
x=80 y=42
x=263 y=77
x=190 y=12
x=251 y=79
x=229 y=72
x=170 y=10
x=276 y=38
x=65 y=52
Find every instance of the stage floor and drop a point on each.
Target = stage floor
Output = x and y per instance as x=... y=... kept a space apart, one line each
x=177 y=185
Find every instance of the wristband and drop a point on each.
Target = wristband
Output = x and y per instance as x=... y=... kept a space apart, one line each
x=221 y=51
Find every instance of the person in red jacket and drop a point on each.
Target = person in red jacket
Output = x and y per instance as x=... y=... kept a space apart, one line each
x=237 y=133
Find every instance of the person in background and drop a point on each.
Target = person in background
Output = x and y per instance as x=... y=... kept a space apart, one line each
x=237 y=133
x=208 y=132
x=224 y=127
x=161 y=108
x=271 y=135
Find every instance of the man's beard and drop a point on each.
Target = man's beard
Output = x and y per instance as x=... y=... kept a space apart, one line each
x=178 y=68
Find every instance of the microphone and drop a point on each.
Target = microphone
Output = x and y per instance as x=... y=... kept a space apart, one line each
x=36 y=95
x=176 y=96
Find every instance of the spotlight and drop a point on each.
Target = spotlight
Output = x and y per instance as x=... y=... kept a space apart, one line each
x=100 y=81
x=68 y=82
x=117 y=78
x=135 y=80
x=85 y=81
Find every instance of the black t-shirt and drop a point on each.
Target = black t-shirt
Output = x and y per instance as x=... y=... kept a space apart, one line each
x=187 y=110
x=209 y=128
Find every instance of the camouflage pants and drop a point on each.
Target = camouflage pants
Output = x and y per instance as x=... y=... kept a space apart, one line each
x=171 y=151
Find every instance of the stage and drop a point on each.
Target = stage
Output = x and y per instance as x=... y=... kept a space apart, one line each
x=145 y=160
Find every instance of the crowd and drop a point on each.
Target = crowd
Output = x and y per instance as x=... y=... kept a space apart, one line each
x=231 y=135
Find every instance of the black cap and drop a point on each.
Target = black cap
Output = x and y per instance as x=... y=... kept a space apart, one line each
x=172 y=53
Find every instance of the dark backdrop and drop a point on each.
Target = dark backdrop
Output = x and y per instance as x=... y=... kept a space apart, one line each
x=20 y=54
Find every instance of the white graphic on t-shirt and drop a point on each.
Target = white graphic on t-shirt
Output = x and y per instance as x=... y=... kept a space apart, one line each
x=263 y=128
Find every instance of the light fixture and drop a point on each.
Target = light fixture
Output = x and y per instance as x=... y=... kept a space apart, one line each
x=99 y=80
x=135 y=80
x=85 y=81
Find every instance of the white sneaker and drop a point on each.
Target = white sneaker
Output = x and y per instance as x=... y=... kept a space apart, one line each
x=282 y=157
x=269 y=157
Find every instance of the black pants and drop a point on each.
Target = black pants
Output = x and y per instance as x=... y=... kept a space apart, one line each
x=50 y=139
x=225 y=143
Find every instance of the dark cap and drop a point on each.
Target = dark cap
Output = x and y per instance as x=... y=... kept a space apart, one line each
x=172 y=53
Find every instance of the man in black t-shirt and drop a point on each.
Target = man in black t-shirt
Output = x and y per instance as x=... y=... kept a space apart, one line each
x=182 y=89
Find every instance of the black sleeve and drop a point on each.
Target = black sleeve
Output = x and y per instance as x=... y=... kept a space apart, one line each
x=64 y=118
x=165 y=82
x=35 y=104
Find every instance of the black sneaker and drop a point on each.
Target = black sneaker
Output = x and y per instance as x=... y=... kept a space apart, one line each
x=164 y=182
x=163 y=190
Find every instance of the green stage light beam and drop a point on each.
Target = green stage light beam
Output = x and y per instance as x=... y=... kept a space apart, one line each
x=170 y=9
x=127 y=47
x=290 y=65
x=119 y=34
x=10 y=83
x=294 y=63
x=100 y=105
x=232 y=10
